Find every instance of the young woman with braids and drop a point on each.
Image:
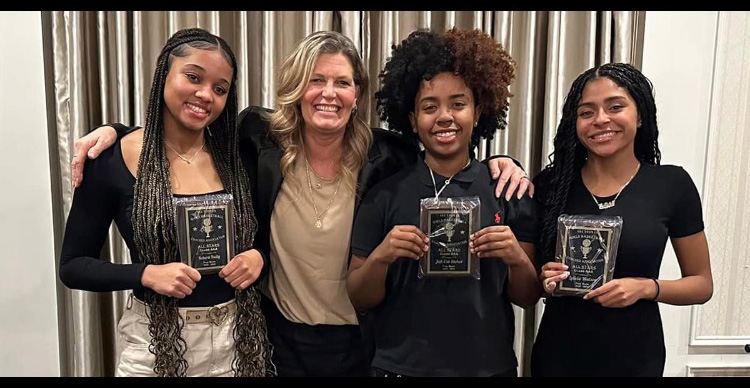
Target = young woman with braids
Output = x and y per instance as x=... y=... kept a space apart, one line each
x=606 y=150
x=165 y=329
x=449 y=91
x=310 y=162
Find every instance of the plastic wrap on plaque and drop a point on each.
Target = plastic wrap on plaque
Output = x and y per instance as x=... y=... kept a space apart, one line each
x=205 y=231
x=449 y=222
x=587 y=244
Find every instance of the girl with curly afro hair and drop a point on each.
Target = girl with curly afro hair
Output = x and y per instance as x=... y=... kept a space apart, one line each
x=483 y=65
x=448 y=90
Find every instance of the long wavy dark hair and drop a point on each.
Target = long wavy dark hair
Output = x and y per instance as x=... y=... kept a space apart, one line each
x=154 y=218
x=569 y=155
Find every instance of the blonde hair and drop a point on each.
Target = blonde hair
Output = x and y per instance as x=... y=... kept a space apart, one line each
x=286 y=123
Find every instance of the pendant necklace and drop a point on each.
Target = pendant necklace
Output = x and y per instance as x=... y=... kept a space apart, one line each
x=609 y=204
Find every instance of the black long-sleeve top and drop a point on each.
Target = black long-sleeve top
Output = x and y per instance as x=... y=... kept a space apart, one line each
x=106 y=194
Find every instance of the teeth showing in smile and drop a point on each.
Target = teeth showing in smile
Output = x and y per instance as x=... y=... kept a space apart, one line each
x=196 y=109
x=446 y=134
x=603 y=136
x=327 y=108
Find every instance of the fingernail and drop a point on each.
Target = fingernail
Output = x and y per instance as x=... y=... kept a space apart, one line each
x=565 y=266
x=565 y=275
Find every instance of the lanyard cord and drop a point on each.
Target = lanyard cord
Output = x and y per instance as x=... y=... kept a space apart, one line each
x=447 y=181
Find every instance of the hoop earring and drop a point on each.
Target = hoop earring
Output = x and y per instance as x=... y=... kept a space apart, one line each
x=208 y=129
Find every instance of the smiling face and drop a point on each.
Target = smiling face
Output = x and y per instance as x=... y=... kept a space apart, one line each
x=196 y=89
x=330 y=95
x=444 y=116
x=607 y=119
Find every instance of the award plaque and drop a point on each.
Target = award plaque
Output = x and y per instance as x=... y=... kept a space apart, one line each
x=588 y=246
x=449 y=222
x=205 y=231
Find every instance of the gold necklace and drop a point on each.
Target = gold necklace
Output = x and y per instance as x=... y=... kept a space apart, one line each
x=319 y=180
x=318 y=216
x=608 y=204
x=184 y=159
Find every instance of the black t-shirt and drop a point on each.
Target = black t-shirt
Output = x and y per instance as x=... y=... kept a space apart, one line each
x=106 y=194
x=441 y=326
x=580 y=337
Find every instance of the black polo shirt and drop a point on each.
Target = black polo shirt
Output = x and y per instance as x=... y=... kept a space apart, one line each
x=438 y=326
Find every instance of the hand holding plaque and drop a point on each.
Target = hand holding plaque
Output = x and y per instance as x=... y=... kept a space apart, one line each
x=205 y=231
x=588 y=246
x=449 y=223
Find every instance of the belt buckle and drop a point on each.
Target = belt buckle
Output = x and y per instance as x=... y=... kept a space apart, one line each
x=217 y=315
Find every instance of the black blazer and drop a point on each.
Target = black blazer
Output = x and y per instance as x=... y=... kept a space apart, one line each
x=261 y=157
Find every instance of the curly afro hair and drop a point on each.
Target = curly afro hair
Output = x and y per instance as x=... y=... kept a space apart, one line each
x=483 y=64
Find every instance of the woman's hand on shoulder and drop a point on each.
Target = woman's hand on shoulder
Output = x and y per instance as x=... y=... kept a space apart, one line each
x=511 y=175
x=90 y=146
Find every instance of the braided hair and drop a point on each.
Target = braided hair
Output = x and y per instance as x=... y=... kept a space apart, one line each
x=154 y=224
x=569 y=154
x=483 y=64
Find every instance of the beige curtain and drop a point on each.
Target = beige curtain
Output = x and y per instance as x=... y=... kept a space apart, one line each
x=103 y=63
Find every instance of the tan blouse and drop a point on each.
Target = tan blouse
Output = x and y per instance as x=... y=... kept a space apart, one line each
x=309 y=264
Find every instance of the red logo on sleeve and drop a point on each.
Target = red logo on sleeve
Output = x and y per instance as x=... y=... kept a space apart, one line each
x=497 y=218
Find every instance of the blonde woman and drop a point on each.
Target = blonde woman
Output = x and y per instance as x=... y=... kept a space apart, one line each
x=309 y=163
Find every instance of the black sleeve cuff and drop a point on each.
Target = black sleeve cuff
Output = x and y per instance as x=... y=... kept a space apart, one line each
x=504 y=156
x=266 y=267
x=121 y=129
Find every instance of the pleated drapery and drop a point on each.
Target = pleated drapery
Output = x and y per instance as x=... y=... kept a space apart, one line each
x=103 y=63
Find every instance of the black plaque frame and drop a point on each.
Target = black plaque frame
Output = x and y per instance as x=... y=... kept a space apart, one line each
x=449 y=223
x=205 y=230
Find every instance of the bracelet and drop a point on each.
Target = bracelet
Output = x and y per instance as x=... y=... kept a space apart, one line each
x=658 y=290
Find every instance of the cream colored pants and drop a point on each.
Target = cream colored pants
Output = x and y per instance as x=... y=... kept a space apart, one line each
x=210 y=345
